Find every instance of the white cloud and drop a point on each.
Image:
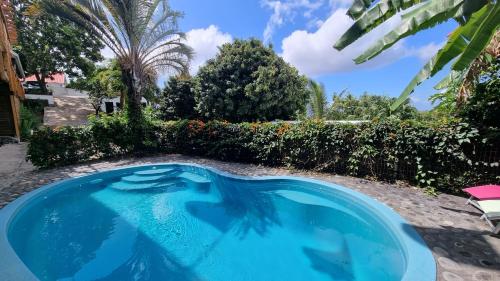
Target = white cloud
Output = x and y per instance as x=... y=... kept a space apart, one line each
x=284 y=11
x=205 y=43
x=339 y=3
x=313 y=53
x=426 y=52
x=314 y=23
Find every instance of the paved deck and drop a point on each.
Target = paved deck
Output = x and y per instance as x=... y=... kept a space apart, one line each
x=462 y=244
x=13 y=163
x=68 y=111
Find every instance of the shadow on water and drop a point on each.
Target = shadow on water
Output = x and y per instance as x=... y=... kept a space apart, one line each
x=337 y=265
x=242 y=208
x=150 y=261
x=246 y=207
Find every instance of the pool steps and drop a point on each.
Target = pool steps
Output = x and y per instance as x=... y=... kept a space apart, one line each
x=154 y=172
x=158 y=178
x=143 y=179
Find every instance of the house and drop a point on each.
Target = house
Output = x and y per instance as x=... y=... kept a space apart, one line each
x=111 y=105
x=56 y=84
x=11 y=90
x=56 y=79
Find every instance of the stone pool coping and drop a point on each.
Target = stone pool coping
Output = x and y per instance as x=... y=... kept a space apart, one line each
x=460 y=242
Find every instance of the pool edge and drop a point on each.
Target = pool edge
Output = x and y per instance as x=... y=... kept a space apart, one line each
x=421 y=265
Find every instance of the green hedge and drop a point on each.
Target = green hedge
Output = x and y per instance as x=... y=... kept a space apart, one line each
x=445 y=157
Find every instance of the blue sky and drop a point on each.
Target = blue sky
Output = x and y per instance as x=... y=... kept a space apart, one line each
x=303 y=31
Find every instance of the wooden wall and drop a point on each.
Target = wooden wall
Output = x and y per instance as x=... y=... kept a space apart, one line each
x=12 y=89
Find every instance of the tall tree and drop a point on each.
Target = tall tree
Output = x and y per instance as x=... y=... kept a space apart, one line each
x=248 y=81
x=345 y=106
x=177 y=99
x=317 y=99
x=478 y=21
x=143 y=34
x=49 y=44
x=104 y=82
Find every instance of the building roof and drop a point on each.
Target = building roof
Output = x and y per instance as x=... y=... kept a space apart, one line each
x=56 y=78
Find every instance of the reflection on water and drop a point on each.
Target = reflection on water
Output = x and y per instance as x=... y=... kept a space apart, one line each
x=234 y=230
x=149 y=262
x=241 y=208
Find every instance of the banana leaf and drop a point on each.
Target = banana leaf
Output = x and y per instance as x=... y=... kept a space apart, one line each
x=437 y=11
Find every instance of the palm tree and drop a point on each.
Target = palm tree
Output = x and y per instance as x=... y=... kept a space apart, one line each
x=317 y=99
x=143 y=34
x=478 y=21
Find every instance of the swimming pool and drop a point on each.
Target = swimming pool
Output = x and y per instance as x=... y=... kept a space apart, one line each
x=190 y=222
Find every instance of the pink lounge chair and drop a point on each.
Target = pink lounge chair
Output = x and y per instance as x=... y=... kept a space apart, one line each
x=483 y=192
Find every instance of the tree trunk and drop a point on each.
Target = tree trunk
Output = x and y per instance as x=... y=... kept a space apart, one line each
x=122 y=100
x=134 y=110
x=41 y=83
x=97 y=108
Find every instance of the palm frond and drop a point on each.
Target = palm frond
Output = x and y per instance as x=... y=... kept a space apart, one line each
x=478 y=19
x=372 y=18
x=317 y=99
x=143 y=34
x=456 y=44
x=358 y=7
x=436 y=12
x=482 y=36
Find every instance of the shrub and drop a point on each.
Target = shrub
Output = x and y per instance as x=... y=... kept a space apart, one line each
x=63 y=146
x=483 y=107
x=177 y=99
x=444 y=157
x=248 y=81
x=29 y=121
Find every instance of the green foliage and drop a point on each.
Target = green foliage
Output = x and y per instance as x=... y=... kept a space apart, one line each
x=151 y=92
x=439 y=158
x=478 y=19
x=177 y=99
x=106 y=136
x=446 y=100
x=63 y=146
x=345 y=106
x=143 y=34
x=247 y=82
x=438 y=116
x=317 y=99
x=483 y=107
x=30 y=120
x=102 y=83
x=49 y=44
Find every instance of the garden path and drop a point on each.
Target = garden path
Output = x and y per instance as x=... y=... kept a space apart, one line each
x=69 y=111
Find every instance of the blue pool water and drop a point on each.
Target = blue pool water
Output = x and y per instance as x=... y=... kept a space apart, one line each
x=180 y=222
